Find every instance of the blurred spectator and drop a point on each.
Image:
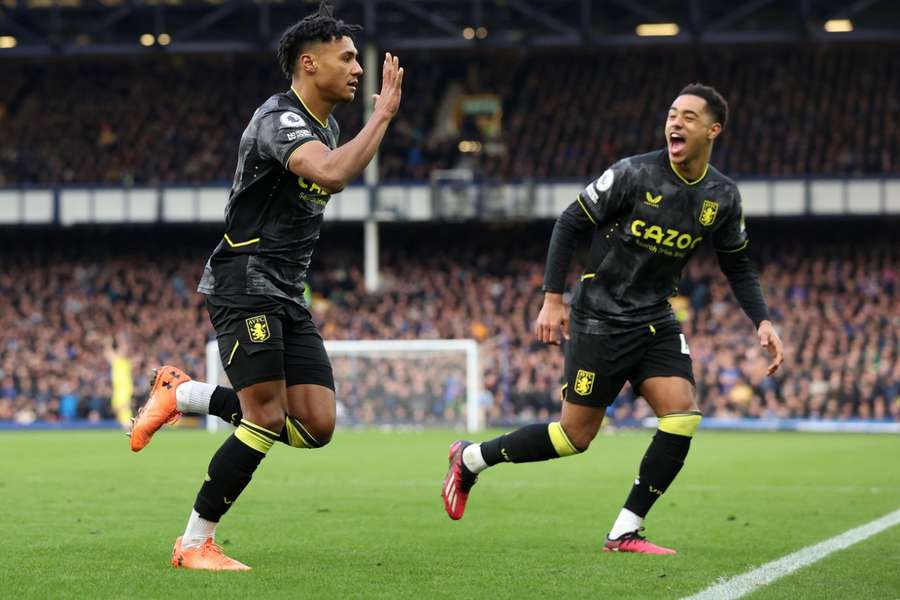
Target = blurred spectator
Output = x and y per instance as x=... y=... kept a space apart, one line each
x=121 y=378
x=63 y=292
x=795 y=111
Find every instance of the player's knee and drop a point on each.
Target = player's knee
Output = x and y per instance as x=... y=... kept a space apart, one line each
x=321 y=427
x=582 y=440
x=578 y=436
x=324 y=437
x=274 y=423
x=269 y=416
x=682 y=423
x=312 y=431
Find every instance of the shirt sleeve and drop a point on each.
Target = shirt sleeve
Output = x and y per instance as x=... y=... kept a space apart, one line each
x=730 y=241
x=744 y=281
x=282 y=132
x=732 y=235
x=605 y=196
x=572 y=224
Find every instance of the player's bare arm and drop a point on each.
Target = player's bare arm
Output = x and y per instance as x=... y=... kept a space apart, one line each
x=334 y=169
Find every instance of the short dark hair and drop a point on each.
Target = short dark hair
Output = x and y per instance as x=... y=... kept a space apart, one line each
x=714 y=100
x=320 y=26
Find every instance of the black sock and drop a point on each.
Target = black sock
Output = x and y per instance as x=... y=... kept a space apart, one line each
x=231 y=468
x=531 y=443
x=225 y=404
x=660 y=465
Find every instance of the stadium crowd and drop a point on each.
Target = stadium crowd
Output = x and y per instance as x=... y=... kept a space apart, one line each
x=63 y=294
x=818 y=109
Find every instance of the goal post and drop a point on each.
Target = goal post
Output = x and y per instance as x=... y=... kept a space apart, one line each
x=403 y=382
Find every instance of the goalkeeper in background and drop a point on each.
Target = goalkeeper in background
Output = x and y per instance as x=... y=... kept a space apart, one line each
x=120 y=370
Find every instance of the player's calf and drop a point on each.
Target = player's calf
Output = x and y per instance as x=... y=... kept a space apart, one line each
x=661 y=464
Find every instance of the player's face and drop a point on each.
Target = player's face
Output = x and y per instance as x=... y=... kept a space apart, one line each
x=337 y=69
x=690 y=129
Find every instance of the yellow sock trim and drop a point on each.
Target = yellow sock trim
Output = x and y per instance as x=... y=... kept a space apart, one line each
x=258 y=438
x=560 y=440
x=680 y=423
x=260 y=430
x=295 y=440
x=298 y=436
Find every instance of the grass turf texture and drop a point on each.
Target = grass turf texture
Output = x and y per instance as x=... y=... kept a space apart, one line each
x=83 y=517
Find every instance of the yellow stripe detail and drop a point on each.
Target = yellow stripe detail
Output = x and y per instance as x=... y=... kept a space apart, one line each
x=744 y=245
x=239 y=244
x=695 y=182
x=588 y=276
x=653 y=330
x=560 y=440
x=260 y=430
x=233 y=350
x=295 y=438
x=680 y=423
x=253 y=439
x=581 y=204
x=322 y=123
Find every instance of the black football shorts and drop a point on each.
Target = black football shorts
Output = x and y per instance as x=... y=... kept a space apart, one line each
x=263 y=338
x=598 y=365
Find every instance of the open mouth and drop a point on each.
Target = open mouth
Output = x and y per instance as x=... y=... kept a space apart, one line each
x=676 y=143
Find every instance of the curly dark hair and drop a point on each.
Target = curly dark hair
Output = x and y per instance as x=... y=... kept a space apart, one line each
x=715 y=103
x=320 y=26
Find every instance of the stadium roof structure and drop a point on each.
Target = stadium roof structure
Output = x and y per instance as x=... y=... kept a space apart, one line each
x=71 y=27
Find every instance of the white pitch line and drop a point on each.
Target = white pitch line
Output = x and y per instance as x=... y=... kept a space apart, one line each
x=740 y=585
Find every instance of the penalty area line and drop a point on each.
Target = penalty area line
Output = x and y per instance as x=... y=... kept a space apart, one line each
x=741 y=585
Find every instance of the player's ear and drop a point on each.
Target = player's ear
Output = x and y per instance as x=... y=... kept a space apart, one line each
x=307 y=64
x=714 y=131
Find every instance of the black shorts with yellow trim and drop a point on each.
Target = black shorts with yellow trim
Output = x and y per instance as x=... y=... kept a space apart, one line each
x=263 y=338
x=599 y=364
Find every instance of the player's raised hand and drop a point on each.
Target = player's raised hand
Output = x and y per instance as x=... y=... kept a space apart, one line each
x=769 y=340
x=388 y=100
x=553 y=321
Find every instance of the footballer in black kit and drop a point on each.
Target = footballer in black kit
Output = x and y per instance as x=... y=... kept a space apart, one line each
x=254 y=280
x=646 y=221
x=646 y=216
x=289 y=164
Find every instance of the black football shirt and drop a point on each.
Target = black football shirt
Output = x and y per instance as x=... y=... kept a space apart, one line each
x=647 y=221
x=273 y=217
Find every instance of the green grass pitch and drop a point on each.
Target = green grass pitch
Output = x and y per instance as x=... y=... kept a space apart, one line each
x=83 y=517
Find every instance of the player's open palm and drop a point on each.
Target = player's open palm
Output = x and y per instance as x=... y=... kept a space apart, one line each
x=552 y=323
x=391 y=82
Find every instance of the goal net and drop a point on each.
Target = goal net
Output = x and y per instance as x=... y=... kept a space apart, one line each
x=396 y=382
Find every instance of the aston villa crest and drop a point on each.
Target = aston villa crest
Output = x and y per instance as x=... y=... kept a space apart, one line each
x=708 y=212
x=584 y=382
x=258 y=328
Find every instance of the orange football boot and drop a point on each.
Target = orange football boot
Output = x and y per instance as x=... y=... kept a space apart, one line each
x=160 y=408
x=208 y=557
